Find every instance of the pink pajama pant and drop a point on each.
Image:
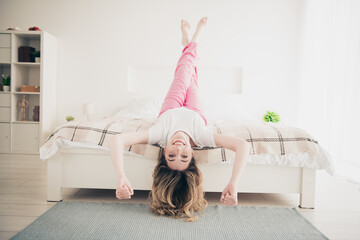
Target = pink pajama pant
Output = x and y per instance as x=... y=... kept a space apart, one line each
x=184 y=90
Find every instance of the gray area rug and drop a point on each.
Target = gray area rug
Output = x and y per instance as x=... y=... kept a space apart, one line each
x=91 y=220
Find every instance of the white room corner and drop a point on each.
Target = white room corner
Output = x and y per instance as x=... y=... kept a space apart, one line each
x=330 y=86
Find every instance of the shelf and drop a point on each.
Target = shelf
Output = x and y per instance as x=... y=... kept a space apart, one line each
x=25 y=122
x=29 y=93
x=26 y=136
x=27 y=64
x=35 y=35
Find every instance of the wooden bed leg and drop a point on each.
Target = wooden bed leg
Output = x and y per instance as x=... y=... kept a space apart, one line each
x=307 y=195
x=54 y=179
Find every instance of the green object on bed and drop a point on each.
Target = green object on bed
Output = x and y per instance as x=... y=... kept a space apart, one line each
x=271 y=117
x=70 y=118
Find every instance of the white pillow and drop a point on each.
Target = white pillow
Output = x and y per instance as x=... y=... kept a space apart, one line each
x=147 y=107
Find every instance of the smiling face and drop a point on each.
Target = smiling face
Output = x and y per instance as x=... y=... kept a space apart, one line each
x=178 y=151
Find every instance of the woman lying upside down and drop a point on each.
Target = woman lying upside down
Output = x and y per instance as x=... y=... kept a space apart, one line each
x=181 y=125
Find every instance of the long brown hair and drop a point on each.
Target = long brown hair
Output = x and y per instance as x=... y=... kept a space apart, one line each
x=177 y=193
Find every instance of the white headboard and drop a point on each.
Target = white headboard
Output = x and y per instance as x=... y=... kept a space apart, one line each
x=157 y=79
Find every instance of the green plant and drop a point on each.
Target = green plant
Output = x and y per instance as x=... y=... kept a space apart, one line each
x=35 y=54
x=6 y=79
x=70 y=118
x=271 y=117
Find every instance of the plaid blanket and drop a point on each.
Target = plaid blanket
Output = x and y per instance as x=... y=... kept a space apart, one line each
x=270 y=143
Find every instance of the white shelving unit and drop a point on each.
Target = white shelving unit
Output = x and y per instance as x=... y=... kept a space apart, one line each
x=17 y=136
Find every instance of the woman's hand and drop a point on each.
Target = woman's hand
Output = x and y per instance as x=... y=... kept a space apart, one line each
x=124 y=189
x=229 y=195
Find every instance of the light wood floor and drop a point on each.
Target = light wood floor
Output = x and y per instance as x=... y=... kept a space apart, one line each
x=23 y=199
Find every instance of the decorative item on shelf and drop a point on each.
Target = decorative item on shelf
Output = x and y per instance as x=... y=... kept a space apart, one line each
x=36 y=113
x=34 y=29
x=14 y=29
x=25 y=54
x=271 y=117
x=6 y=82
x=36 y=56
x=26 y=88
x=23 y=104
x=88 y=109
x=69 y=118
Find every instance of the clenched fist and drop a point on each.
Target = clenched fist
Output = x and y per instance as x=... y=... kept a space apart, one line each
x=229 y=195
x=124 y=189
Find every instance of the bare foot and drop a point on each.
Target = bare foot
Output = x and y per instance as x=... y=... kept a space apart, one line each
x=185 y=28
x=200 y=26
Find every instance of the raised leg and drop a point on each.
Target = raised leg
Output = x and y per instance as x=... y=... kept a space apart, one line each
x=192 y=100
x=183 y=78
x=184 y=88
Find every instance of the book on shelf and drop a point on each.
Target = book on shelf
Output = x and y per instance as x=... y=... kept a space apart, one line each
x=25 y=54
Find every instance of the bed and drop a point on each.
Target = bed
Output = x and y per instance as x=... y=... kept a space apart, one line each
x=282 y=159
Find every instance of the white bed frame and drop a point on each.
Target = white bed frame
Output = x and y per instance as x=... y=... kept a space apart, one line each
x=91 y=168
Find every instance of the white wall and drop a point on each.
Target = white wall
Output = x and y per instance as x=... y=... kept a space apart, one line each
x=98 y=40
